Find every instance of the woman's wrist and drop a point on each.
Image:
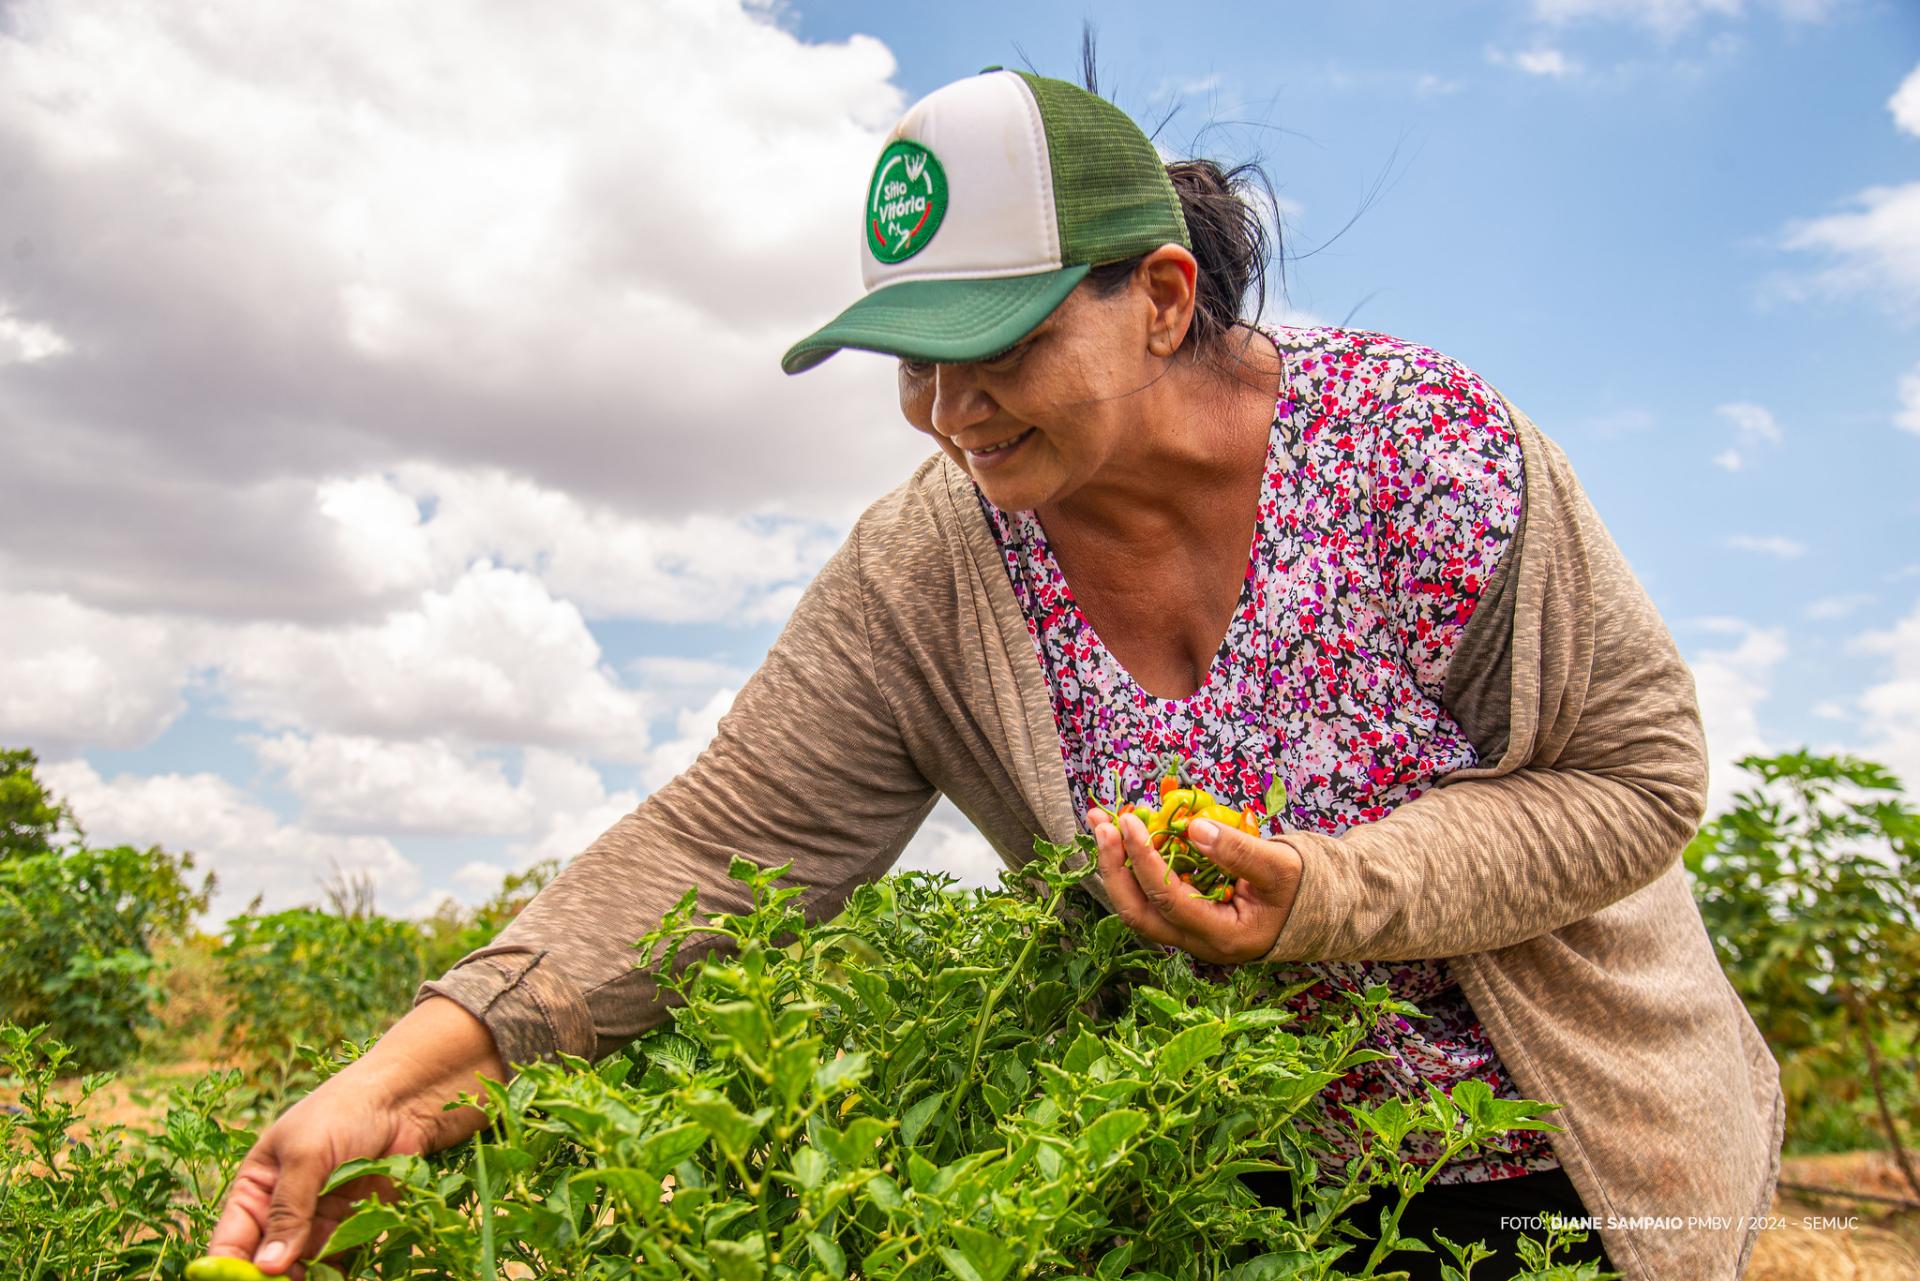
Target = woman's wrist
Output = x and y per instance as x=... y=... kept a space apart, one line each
x=433 y=1055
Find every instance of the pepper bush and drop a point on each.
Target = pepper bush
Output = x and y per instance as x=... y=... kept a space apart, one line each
x=936 y=1083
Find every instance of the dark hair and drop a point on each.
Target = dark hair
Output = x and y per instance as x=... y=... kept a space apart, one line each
x=1231 y=243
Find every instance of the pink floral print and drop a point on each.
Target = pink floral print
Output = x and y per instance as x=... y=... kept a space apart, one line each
x=1393 y=485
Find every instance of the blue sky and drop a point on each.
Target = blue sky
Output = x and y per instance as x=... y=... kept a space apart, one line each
x=409 y=486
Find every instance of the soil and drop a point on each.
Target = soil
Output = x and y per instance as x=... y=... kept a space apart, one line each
x=1817 y=1241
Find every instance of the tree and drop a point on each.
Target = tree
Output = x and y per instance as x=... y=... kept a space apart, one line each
x=30 y=819
x=1810 y=887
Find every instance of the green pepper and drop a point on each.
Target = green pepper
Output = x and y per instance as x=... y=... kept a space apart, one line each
x=213 y=1267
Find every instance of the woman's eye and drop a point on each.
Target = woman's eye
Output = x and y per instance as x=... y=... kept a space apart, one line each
x=1006 y=359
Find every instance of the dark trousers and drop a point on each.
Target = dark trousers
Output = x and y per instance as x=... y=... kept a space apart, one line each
x=1464 y=1213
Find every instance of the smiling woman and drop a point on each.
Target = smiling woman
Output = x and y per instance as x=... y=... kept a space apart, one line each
x=1322 y=558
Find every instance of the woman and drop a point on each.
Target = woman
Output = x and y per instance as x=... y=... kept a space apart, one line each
x=1318 y=556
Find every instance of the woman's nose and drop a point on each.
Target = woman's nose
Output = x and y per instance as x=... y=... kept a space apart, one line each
x=958 y=400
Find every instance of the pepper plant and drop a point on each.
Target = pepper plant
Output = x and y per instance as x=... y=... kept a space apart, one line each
x=934 y=1084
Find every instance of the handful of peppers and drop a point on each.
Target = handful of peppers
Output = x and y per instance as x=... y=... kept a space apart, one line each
x=1181 y=802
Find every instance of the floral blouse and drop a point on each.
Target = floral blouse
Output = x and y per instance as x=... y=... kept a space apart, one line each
x=1393 y=485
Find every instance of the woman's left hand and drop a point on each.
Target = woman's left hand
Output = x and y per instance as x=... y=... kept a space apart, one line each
x=1161 y=907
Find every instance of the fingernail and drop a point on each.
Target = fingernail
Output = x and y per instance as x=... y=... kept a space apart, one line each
x=1202 y=831
x=270 y=1254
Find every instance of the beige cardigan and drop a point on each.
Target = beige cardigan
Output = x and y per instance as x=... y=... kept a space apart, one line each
x=1550 y=874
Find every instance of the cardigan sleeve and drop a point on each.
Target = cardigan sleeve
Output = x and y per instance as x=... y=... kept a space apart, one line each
x=1568 y=676
x=807 y=766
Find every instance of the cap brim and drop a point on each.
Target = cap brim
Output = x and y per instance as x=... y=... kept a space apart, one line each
x=945 y=320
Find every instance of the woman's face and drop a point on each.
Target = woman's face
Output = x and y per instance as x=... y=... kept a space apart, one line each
x=1062 y=404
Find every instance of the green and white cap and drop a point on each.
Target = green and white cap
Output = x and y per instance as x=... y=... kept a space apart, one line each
x=990 y=200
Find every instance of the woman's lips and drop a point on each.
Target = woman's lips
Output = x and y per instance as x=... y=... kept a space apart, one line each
x=996 y=457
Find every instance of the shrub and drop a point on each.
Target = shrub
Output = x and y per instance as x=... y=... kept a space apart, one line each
x=81 y=924
x=1810 y=888
x=306 y=976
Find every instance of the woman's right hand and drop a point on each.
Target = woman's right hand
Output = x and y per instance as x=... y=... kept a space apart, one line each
x=386 y=1103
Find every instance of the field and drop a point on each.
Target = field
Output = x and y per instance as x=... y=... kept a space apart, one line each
x=940 y=1082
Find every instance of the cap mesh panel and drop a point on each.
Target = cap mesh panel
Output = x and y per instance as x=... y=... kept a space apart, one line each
x=1109 y=186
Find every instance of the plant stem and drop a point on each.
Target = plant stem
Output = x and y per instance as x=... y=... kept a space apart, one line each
x=1900 y=1155
x=986 y=1012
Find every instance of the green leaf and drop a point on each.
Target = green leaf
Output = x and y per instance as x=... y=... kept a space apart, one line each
x=828 y=1255
x=1045 y=1001
x=366 y=1223
x=809 y=1167
x=1113 y=1264
x=852 y=1147
x=662 y=1151
x=915 y=1119
x=885 y=1193
x=1276 y=1266
x=989 y=1256
x=733 y=1129
x=836 y=1074
x=736 y=1260
x=1087 y=1049
x=1104 y=1138
x=397 y=1168
x=1178 y=1056
x=960 y=1265
x=954 y=976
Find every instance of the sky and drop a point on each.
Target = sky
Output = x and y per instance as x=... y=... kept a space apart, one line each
x=396 y=474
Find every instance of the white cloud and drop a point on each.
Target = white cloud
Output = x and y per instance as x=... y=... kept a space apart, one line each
x=247 y=847
x=1890 y=709
x=424 y=525
x=1828 y=710
x=493 y=659
x=694 y=728
x=1772 y=545
x=1752 y=425
x=571 y=805
x=948 y=843
x=1191 y=87
x=1875 y=250
x=1542 y=62
x=1839 y=606
x=1428 y=84
x=436 y=235
x=1669 y=18
x=1905 y=103
x=351 y=783
x=1908 y=418
x=24 y=342
x=1731 y=684
x=72 y=675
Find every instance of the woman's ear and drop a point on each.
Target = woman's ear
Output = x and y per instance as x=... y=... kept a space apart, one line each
x=1168 y=279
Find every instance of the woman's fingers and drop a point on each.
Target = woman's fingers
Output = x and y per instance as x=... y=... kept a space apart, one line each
x=290 y=1216
x=242 y=1223
x=1145 y=895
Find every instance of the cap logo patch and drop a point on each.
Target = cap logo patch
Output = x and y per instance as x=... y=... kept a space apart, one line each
x=906 y=202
